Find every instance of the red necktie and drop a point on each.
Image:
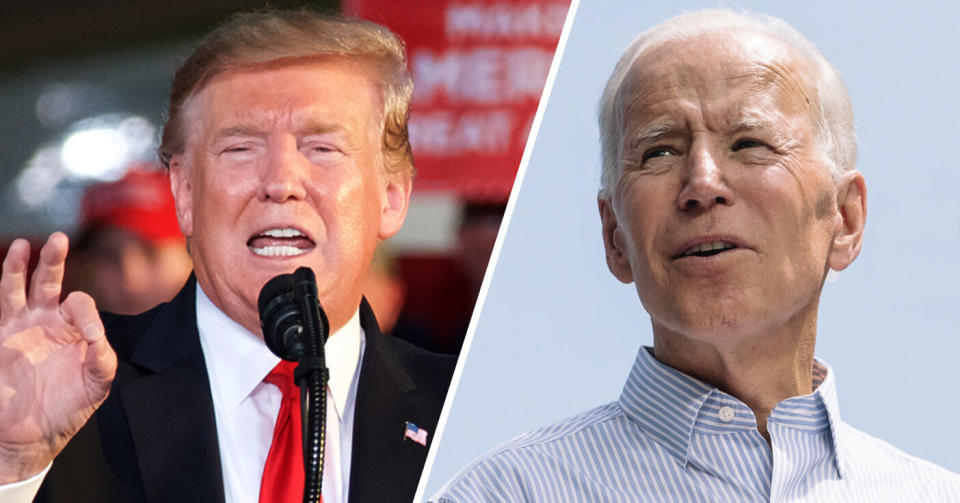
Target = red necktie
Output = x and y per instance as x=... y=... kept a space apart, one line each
x=283 y=473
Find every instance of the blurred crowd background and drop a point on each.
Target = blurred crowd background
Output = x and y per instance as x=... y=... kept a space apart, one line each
x=83 y=90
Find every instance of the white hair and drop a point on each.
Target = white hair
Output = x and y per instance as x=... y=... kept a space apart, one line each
x=832 y=111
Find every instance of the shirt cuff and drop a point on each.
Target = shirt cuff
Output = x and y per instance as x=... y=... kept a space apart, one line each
x=25 y=490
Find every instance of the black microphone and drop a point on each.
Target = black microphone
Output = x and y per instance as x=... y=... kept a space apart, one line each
x=280 y=318
x=295 y=328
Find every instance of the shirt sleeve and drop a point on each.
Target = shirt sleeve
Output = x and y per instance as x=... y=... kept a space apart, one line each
x=489 y=480
x=25 y=490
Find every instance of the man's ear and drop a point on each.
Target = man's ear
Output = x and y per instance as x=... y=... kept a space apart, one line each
x=852 y=207
x=617 y=259
x=182 y=189
x=394 y=204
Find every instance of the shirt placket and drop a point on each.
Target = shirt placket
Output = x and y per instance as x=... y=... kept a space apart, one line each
x=728 y=454
x=802 y=448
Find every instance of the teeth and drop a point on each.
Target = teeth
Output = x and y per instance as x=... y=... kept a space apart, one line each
x=286 y=232
x=705 y=247
x=278 y=251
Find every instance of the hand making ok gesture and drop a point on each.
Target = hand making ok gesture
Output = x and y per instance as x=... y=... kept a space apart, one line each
x=55 y=363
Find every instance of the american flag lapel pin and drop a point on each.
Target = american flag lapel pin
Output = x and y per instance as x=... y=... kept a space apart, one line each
x=418 y=435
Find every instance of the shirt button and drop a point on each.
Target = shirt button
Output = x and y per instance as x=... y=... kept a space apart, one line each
x=726 y=414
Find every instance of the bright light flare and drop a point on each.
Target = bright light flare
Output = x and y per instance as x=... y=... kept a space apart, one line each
x=94 y=153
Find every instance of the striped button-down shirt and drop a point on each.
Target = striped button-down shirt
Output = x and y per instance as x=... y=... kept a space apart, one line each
x=673 y=438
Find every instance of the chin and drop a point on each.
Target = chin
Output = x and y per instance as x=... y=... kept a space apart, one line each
x=715 y=327
x=710 y=319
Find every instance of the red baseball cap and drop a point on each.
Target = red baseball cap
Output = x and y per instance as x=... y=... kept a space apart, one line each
x=140 y=202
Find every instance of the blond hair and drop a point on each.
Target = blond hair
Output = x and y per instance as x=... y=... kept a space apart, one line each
x=257 y=38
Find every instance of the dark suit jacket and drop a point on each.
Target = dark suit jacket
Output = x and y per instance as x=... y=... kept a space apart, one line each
x=154 y=439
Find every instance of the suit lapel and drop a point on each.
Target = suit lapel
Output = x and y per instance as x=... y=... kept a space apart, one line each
x=170 y=409
x=384 y=465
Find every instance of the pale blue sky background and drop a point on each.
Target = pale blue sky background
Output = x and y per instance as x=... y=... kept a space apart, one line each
x=558 y=333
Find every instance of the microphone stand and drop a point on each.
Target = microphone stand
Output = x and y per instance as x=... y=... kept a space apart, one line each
x=312 y=375
x=295 y=328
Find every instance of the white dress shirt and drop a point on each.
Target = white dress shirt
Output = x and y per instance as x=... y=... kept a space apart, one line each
x=246 y=408
x=672 y=438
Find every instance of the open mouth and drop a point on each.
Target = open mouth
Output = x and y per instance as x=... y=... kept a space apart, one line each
x=280 y=242
x=707 y=249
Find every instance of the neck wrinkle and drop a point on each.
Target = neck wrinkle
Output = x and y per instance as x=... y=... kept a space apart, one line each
x=761 y=371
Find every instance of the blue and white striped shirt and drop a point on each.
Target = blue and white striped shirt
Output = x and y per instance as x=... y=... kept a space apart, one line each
x=673 y=438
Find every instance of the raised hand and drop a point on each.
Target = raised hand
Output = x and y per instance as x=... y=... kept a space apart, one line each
x=55 y=363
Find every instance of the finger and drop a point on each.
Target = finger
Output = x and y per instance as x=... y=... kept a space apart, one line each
x=100 y=363
x=80 y=311
x=48 y=276
x=13 y=297
x=99 y=368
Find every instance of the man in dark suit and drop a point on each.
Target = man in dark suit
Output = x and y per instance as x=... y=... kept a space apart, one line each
x=287 y=146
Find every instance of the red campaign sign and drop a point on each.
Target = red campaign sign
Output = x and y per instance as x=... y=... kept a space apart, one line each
x=478 y=68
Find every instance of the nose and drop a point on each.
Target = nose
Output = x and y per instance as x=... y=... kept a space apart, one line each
x=703 y=184
x=283 y=170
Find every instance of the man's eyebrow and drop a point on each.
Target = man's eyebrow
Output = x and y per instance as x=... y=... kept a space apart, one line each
x=311 y=127
x=240 y=130
x=652 y=133
x=655 y=131
x=750 y=123
x=762 y=125
x=317 y=127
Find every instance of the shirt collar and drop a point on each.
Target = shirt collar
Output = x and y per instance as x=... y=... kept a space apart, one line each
x=669 y=406
x=238 y=360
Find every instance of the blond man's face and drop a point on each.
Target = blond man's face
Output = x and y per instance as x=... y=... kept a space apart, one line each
x=283 y=168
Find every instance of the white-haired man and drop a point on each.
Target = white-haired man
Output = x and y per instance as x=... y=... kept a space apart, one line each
x=729 y=191
x=287 y=146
